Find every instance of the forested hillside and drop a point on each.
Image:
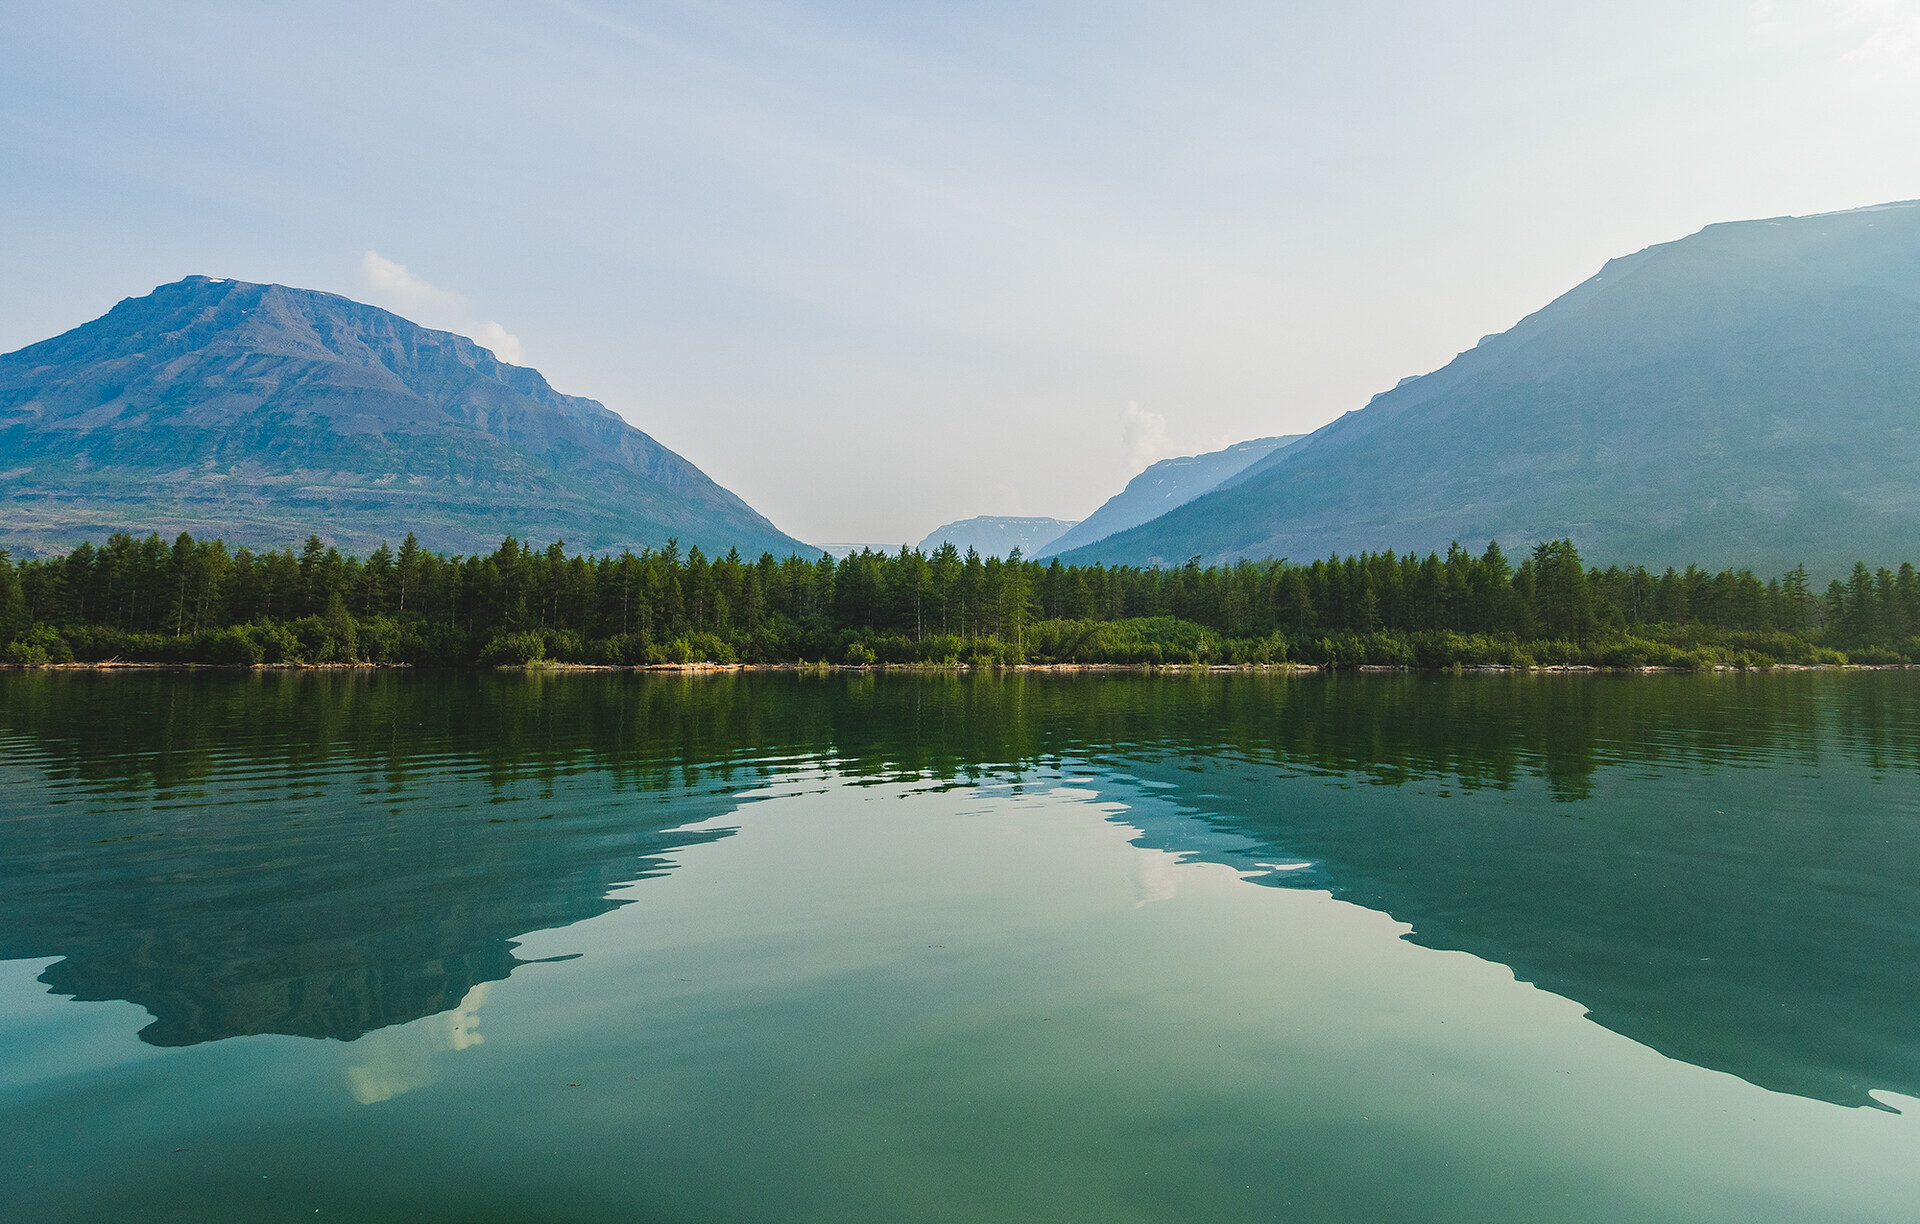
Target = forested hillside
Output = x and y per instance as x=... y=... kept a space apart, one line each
x=196 y=601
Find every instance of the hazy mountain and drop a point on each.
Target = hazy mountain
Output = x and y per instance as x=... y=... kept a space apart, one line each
x=261 y=413
x=837 y=549
x=996 y=535
x=1165 y=485
x=1749 y=395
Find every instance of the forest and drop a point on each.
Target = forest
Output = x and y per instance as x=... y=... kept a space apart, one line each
x=196 y=601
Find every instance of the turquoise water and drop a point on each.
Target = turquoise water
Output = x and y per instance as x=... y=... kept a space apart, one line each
x=630 y=947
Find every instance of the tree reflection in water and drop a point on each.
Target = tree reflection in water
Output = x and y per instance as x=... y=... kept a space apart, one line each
x=1725 y=867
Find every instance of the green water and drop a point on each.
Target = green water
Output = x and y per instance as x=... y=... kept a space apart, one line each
x=626 y=947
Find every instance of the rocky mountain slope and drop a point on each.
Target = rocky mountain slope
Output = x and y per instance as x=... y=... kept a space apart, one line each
x=261 y=413
x=1166 y=485
x=1749 y=395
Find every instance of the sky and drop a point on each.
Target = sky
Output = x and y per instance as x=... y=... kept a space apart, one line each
x=880 y=266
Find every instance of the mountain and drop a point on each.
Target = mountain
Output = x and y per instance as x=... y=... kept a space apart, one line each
x=261 y=413
x=1749 y=395
x=996 y=535
x=1165 y=485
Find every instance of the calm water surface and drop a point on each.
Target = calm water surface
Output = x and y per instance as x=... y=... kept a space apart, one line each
x=620 y=947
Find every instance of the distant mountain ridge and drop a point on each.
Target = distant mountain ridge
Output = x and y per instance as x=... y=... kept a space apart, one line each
x=996 y=535
x=1166 y=485
x=1749 y=395
x=261 y=413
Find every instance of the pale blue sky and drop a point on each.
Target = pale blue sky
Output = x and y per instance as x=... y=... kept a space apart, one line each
x=877 y=266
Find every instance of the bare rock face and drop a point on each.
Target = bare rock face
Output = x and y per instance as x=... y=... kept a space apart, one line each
x=1746 y=396
x=262 y=413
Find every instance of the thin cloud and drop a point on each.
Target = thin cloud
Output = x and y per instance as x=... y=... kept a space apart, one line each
x=1891 y=34
x=1144 y=436
x=390 y=284
x=1877 y=36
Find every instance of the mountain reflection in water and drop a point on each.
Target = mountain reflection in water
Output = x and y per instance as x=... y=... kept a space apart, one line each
x=1723 y=867
x=319 y=856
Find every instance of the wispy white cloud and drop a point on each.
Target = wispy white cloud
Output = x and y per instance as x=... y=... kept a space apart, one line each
x=784 y=222
x=395 y=1061
x=401 y=287
x=505 y=345
x=1890 y=34
x=1144 y=436
x=1156 y=877
x=394 y=286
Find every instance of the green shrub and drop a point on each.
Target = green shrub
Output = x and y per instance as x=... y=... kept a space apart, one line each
x=1152 y=639
x=377 y=640
x=231 y=648
x=514 y=649
x=1341 y=650
x=1874 y=655
x=38 y=647
x=1441 y=648
x=937 y=648
x=27 y=654
x=330 y=639
x=1269 y=649
x=710 y=648
x=675 y=651
x=622 y=649
x=1557 y=652
x=277 y=642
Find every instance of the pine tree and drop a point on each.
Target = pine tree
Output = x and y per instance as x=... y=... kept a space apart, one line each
x=407 y=570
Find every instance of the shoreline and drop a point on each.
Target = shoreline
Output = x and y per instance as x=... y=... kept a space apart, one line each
x=961 y=668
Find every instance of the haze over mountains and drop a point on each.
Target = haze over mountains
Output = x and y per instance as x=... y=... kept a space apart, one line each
x=1749 y=396
x=996 y=535
x=1746 y=396
x=1158 y=489
x=261 y=413
x=1164 y=486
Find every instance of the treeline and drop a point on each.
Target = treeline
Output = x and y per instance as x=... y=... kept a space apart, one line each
x=197 y=601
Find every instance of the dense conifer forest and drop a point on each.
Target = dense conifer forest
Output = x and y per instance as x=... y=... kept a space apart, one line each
x=196 y=601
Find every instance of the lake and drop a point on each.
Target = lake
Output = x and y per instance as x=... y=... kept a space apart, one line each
x=609 y=946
